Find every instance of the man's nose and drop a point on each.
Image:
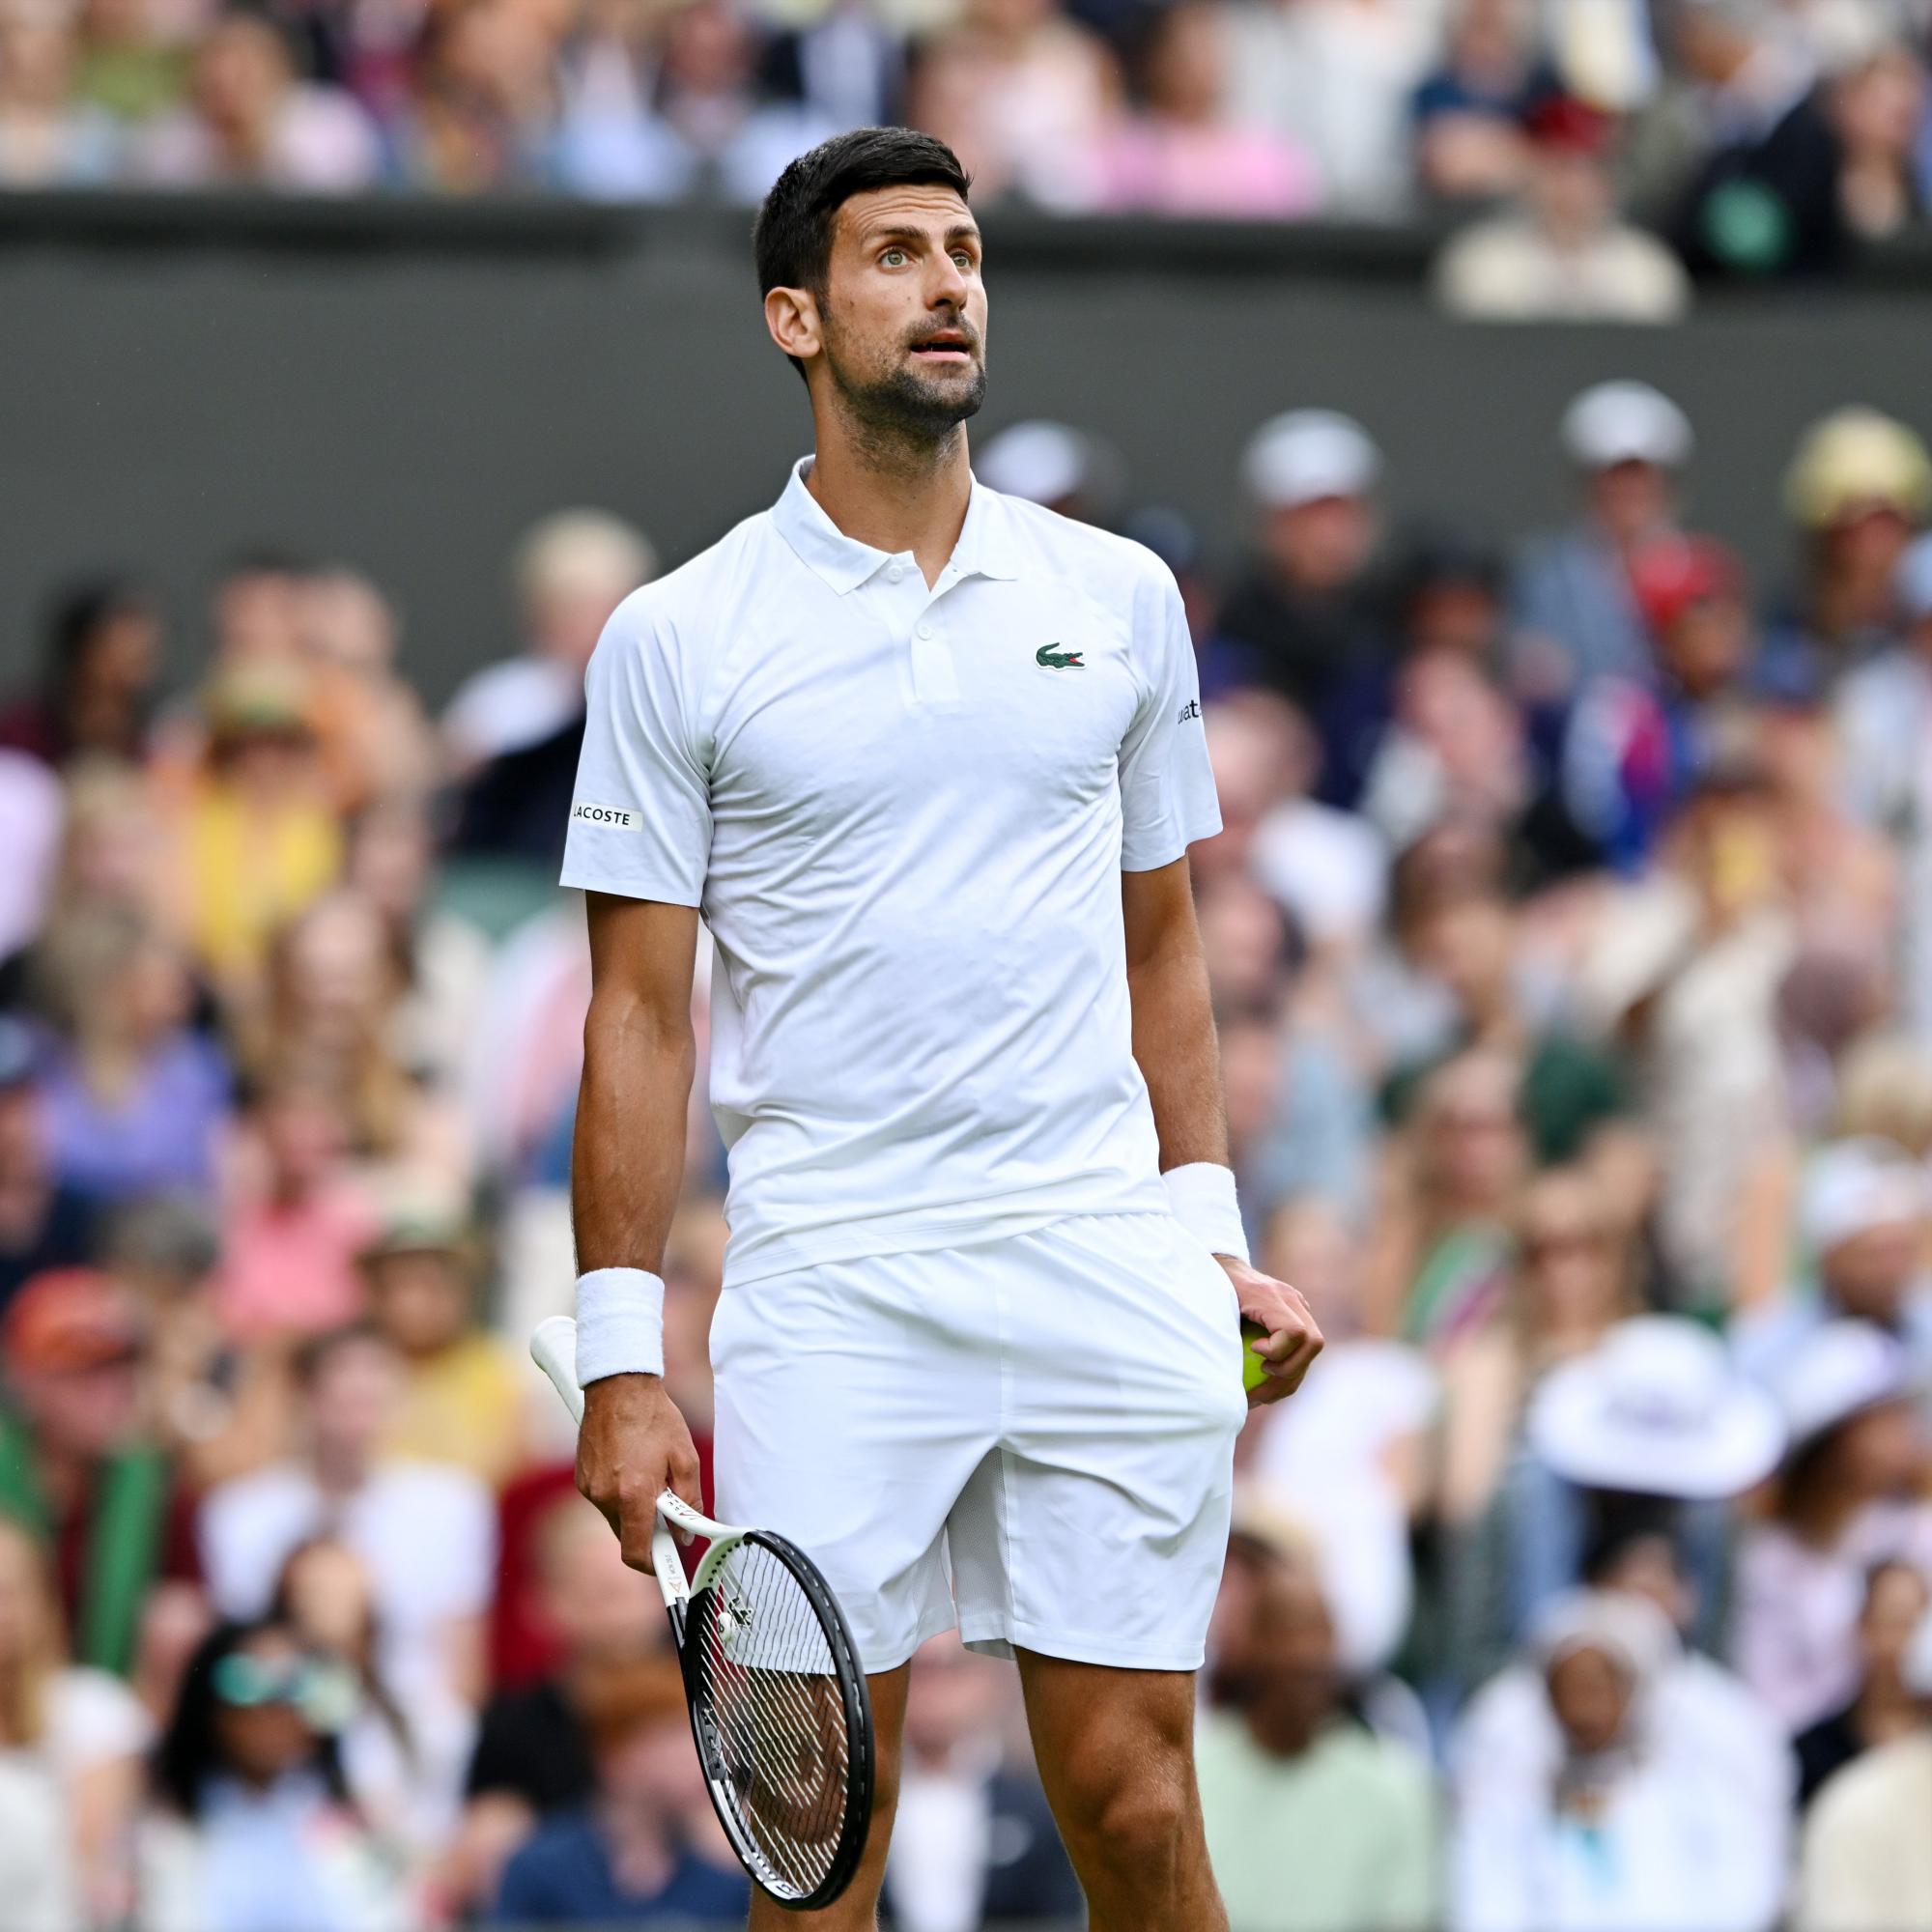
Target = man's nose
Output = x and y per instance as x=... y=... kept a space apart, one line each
x=948 y=285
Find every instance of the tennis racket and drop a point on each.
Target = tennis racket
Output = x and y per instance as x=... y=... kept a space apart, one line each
x=779 y=1708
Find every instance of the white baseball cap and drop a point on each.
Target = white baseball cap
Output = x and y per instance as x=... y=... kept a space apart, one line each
x=1854 y=1185
x=1307 y=455
x=1846 y=1368
x=1625 y=422
x=1043 y=462
x=1656 y=1409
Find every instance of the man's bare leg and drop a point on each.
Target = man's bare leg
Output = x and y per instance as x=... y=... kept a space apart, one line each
x=859 y=1910
x=1115 y=1754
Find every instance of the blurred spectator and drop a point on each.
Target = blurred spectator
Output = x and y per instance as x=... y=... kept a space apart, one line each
x=133 y=59
x=1576 y=615
x=463 y=1391
x=706 y=125
x=1443 y=1246
x=647 y=1849
x=1838 y=170
x=253 y=1822
x=1574 y=1279
x=1681 y=976
x=1325 y=868
x=1704 y=1719
x=973 y=1841
x=43 y=1223
x=81 y=1732
x=1867 y=1857
x=1306 y=617
x=1610 y=1827
x=1848 y=1497
x=1571 y=1098
x=99 y=676
x=1566 y=255
x=1858 y=486
x=375 y=737
x=532 y=1755
x=443 y=960
x=1652 y=1432
x=75 y=1467
x=425 y=1531
x=1885 y=1707
x=1180 y=155
x=512 y=730
x=1634 y=748
x=1023 y=93
x=1469 y=112
x=333 y=1009
x=1454 y=747
x=1288 y=1762
x=1335 y=77
x=403 y=1756
x=296 y=1223
x=257 y=836
x=1062 y=468
x=1862 y=1218
x=47 y=138
x=133 y=1100
x=252 y=122
x=1351 y=1465
x=483 y=115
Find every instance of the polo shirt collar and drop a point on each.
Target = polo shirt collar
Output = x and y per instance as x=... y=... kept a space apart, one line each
x=984 y=548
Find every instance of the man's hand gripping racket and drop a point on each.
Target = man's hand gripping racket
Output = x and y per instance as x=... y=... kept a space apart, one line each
x=779 y=1707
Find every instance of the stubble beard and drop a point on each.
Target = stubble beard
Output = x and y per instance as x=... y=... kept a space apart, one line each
x=898 y=417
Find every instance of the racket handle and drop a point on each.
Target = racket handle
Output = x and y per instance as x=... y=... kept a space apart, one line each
x=554 y=1350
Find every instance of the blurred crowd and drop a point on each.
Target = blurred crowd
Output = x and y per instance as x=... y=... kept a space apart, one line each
x=1757 y=137
x=1571 y=941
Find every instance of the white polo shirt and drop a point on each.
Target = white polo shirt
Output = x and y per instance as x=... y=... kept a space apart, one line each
x=905 y=813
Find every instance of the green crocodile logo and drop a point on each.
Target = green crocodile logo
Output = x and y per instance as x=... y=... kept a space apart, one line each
x=1055 y=659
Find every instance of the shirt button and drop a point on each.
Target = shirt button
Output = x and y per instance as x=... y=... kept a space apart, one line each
x=926 y=629
x=896 y=572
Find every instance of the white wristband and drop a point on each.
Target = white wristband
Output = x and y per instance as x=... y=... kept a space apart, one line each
x=619 y=1324
x=1201 y=1197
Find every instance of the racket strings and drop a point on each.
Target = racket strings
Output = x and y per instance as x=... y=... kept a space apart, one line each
x=768 y=1690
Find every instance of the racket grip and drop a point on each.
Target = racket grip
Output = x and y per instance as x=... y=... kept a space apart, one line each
x=554 y=1350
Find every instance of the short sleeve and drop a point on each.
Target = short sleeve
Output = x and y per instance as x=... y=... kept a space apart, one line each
x=1167 y=784
x=641 y=815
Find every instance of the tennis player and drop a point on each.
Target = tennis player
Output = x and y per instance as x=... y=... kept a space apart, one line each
x=928 y=760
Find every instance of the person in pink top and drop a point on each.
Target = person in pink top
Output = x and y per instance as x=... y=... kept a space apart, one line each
x=296 y=1226
x=1180 y=155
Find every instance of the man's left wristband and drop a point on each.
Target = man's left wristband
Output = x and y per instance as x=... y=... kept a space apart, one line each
x=619 y=1324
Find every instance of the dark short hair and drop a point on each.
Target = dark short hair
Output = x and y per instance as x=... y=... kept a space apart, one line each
x=791 y=240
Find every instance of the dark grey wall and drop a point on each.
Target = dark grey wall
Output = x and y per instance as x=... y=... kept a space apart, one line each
x=407 y=388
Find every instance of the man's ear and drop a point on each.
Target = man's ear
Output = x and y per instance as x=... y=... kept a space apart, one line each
x=792 y=317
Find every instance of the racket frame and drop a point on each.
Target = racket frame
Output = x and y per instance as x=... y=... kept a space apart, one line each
x=554 y=1349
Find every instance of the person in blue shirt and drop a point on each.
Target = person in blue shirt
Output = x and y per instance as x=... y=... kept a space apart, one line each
x=646 y=1850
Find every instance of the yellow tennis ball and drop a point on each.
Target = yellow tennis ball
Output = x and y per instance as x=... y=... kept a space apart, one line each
x=1254 y=1369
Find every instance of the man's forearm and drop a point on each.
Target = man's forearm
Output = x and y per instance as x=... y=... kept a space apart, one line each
x=627 y=1156
x=1175 y=1046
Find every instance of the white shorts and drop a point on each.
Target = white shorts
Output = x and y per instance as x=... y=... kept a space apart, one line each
x=1030 y=1438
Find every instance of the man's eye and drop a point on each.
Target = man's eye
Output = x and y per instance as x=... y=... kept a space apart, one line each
x=964 y=257
x=892 y=257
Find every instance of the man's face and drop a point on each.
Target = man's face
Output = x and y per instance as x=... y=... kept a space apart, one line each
x=1868 y=1273
x=902 y=321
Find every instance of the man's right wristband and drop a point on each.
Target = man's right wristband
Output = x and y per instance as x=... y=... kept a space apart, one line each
x=619 y=1324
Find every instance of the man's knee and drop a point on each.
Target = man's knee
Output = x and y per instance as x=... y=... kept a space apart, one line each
x=1131 y=1809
